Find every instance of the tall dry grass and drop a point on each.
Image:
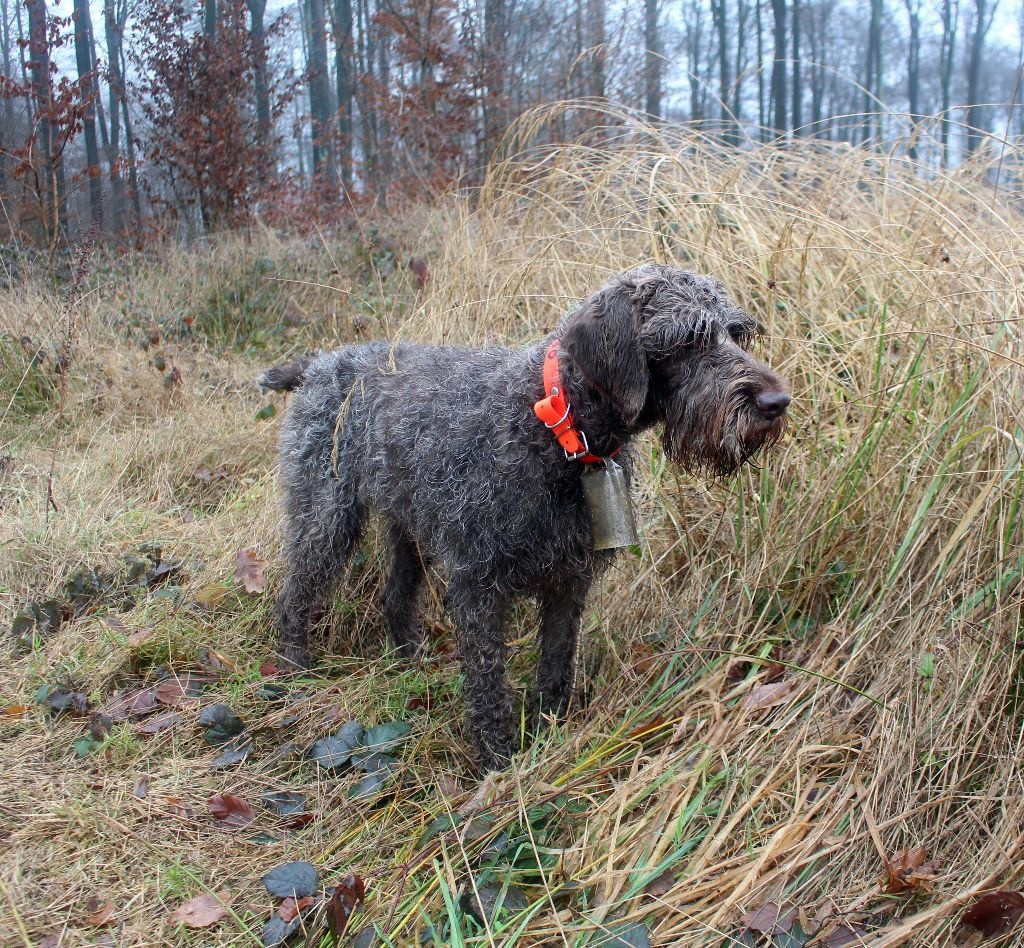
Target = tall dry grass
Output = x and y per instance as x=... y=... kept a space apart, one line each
x=869 y=572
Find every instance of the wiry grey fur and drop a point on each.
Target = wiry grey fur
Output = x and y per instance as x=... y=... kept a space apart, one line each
x=442 y=442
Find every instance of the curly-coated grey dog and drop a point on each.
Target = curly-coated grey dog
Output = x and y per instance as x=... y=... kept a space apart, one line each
x=445 y=445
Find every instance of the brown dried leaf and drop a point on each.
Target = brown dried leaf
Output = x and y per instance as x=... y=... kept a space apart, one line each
x=131 y=704
x=202 y=911
x=908 y=871
x=179 y=690
x=659 y=885
x=348 y=896
x=768 y=696
x=290 y=908
x=769 y=918
x=249 y=571
x=15 y=710
x=158 y=723
x=995 y=913
x=232 y=811
x=101 y=915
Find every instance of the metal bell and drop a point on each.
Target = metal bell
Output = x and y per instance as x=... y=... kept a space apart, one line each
x=611 y=510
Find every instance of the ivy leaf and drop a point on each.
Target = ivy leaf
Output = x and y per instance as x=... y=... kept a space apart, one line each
x=277 y=931
x=235 y=753
x=624 y=935
x=384 y=737
x=335 y=750
x=220 y=722
x=491 y=899
x=293 y=880
x=284 y=802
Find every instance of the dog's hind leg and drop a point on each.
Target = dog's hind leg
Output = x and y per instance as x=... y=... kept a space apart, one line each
x=323 y=528
x=404 y=579
x=561 y=610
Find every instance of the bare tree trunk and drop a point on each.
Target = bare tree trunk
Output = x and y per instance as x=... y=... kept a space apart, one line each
x=47 y=184
x=779 y=69
x=798 y=89
x=342 y=23
x=652 y=60
x=597 y=41
x=694 y=36
x=495 y=67
x=914 y=72
x=719 y=19
x=257 y=13
x=7 y=128
x=320 y=93
x=742 y=18
x=873 y=70
x=762 y=115
x=87 y=83
x=947 y=50
x=984 y=11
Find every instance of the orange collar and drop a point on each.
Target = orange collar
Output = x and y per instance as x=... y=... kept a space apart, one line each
x=556 y=414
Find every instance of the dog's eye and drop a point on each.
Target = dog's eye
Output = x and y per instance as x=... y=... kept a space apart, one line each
x=741 y=335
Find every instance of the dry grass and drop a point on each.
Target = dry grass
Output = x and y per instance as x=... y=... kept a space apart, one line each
x=874 y=566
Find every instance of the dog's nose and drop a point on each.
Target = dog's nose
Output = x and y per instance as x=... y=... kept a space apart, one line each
x=772 y=403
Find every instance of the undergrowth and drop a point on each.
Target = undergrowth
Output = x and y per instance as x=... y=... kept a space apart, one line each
x=806 y=670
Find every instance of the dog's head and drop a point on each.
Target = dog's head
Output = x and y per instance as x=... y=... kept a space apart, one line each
x=668 y=345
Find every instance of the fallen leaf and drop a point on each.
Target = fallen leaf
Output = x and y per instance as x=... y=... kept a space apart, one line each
x=158 y=723
x=232 y=811
x=769 y=918
x=139 y=636
x=645 y=729
x=298 y=821
x=292 y=880
x=234 y=753
x=131 y=704
x=269 y=670
x=659 y=885
x=623 y=935
x=277 y=931
x=347 y=897
x=843 y=935
x=290 y=908
x=908 y=871
x=141 y=790
x=995 y=913
x=220 y=722
x=335 y=750
x=249 y=571
x=179 y=690
x=384 y=737
x=202 y=911
x=101 y=915
x=770 y=695
x=284 y=802
x=15 y=710
x=212 y=595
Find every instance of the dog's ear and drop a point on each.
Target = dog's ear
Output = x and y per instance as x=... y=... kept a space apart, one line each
x=603 y=342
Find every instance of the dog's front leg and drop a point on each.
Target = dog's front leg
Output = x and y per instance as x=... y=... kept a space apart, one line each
x=560 y=614
x=479 y=615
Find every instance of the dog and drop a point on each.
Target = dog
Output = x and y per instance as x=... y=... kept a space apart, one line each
x=461 y=453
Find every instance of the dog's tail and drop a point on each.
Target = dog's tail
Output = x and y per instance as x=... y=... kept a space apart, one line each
x=289 y=375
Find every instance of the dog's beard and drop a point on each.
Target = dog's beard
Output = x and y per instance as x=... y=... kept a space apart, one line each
x=721 y=442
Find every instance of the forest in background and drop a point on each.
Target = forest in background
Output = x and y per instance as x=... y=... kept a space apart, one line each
x=147 y=117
